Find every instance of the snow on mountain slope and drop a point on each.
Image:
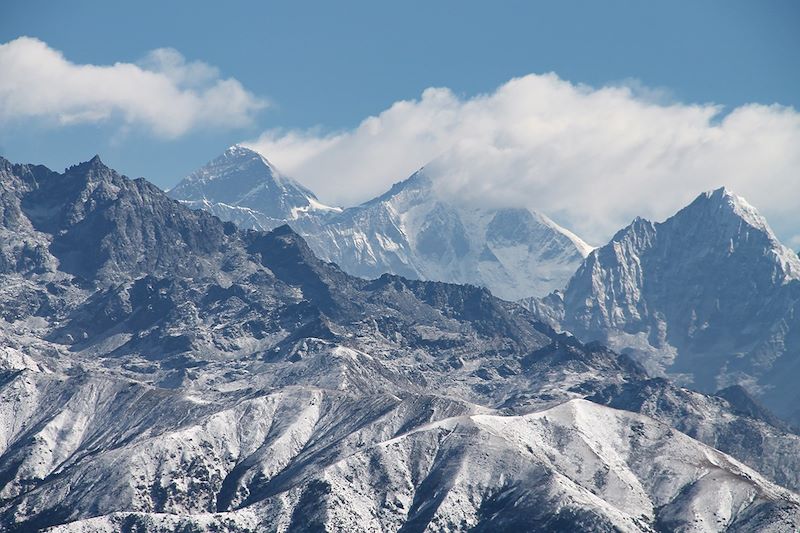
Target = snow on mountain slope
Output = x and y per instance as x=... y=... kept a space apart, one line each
x=729 y=421
x=178 y=373
x=311 y=458
x=244 y=217
x=411 y=230
x=709 y=294
x=242 y=186
x=414 y=232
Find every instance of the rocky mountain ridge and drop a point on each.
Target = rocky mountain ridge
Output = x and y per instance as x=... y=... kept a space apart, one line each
x=163 y=370
x=710 y=296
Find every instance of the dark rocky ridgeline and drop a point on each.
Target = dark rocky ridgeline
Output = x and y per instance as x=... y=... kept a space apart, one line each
x=162 y=370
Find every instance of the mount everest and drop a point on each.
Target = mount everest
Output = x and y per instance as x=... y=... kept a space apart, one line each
x=243 y=187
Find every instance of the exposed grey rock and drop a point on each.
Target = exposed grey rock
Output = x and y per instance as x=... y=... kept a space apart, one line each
x=162 y=370
x=709 y=296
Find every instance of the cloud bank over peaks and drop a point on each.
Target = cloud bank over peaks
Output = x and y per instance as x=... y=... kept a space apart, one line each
x=163 y=93
x=593 y=158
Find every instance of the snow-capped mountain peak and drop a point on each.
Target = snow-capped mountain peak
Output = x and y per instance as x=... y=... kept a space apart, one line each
x=411 y=230
x=241 y=181
x=238 y=151
x=724 y=217
x=729 y=204
x=415 y=231
x=238 y=156
x=710 y=294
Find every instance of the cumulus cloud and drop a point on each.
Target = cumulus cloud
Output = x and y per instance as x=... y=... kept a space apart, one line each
x=163 y=93
x=592 y=158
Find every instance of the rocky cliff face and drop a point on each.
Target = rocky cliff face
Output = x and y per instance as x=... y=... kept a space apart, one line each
x=162 y=370
x=709 y=294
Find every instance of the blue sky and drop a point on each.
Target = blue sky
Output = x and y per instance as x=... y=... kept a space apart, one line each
x=329 y=65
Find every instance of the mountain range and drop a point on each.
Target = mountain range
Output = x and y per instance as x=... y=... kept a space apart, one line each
x=412 y=230
x=164 y=370
x=708 y=297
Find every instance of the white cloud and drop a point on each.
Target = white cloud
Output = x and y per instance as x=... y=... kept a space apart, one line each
x=592 y=158
x=163 y=93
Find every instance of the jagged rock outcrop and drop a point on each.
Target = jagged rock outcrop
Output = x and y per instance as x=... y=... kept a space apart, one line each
x=709 y=295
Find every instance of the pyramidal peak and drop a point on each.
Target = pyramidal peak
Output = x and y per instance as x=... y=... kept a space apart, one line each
x=739 y=207
x=238 y=152
x=725 y=196
x=238 y=157
x=244 y=186
x=726 y=202
x=737 y=221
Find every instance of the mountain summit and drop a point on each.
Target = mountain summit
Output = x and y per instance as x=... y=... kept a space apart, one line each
x=709 y=294
x=247 y=185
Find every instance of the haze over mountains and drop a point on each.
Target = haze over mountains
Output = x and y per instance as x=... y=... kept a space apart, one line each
x=163 y=370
